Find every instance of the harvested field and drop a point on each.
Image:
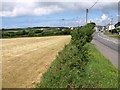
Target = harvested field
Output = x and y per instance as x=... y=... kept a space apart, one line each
x=25 y=59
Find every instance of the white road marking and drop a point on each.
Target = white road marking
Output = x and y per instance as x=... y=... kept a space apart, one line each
x=107 y=39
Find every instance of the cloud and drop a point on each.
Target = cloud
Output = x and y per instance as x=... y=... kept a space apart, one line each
x=104 y=19
x=38 y=7
x=46 y=10
x=12 y=9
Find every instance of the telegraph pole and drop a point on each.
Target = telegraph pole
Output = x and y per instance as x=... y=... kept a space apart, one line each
x=89 y=10
x=86 y=15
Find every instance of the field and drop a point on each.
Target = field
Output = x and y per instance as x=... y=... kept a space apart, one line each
x=0 y=66
x=25 y=59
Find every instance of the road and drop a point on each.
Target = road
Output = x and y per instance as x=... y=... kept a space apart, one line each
x=109 y=47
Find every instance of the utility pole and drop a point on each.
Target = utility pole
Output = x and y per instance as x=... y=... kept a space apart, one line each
x=89 y=10
x=86 y=15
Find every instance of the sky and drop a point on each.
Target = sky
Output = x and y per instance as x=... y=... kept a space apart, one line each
x=56 y=13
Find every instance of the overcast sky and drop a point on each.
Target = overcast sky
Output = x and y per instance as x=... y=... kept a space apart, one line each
x=29 y=13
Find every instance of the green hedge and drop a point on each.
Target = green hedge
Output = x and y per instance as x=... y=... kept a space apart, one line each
x=68 y=70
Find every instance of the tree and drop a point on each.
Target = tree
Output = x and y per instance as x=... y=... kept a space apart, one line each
x=117 y=24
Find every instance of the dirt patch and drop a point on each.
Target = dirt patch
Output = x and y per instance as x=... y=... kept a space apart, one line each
x=25 y=59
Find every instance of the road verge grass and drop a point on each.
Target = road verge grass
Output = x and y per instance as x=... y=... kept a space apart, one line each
x=112 y=35
x=100 y=73
x=116 y=37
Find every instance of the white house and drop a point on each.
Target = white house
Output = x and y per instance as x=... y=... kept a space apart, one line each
x=110 y=27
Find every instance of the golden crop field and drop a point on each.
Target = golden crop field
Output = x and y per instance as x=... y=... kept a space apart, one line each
x=25 y=59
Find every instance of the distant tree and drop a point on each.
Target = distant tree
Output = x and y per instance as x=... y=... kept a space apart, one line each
x=117 y=24
x=24 y=32
x=114 y=31
x=3 y=29
x=38 y=31
x=31 y=33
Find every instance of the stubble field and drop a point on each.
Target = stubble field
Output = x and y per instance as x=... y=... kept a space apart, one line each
x=25 y=59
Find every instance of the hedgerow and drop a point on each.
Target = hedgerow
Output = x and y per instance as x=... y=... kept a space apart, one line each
x=34 y=32
x=68 y=69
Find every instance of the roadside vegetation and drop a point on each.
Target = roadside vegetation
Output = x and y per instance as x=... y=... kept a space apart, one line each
x=117 y=37
x=80 y=65
x=113 y=33
x=34 y=32
x=108 y=33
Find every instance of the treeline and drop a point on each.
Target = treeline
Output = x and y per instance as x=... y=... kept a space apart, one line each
x=35 y=32
x=68 y=70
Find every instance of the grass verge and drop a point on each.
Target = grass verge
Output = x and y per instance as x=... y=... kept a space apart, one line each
x=111 y=35
x=98 y=73
x=116 y=37
x=108 y=33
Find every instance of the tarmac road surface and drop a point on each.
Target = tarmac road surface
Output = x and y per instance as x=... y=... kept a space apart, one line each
x=109 y=47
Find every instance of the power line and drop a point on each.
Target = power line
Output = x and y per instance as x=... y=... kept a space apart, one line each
x=94 y=4
x=87 y=10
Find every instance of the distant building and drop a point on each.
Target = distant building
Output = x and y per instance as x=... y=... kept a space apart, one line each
x=99 y=28
x=109 y=27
